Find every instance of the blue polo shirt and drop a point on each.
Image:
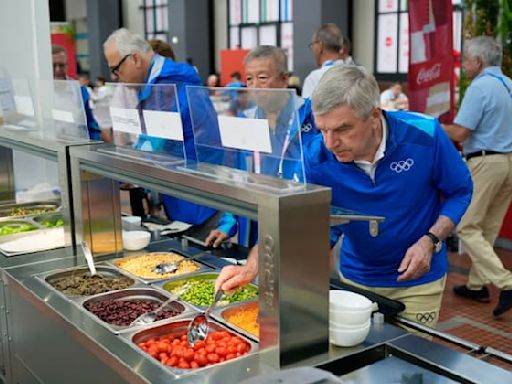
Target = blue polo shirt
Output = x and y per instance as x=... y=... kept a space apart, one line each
x=487 y=111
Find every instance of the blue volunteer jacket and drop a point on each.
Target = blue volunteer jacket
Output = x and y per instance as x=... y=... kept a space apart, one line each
x=420 y=177
x=166 y=71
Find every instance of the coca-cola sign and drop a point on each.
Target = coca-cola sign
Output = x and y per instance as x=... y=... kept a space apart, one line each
x=426 y=75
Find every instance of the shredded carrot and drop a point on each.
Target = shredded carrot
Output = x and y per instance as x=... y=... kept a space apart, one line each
x=245 y=318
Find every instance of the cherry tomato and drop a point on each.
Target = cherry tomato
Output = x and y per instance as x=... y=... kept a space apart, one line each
x=201 y=360
x=212 y=358
x=221 y=351
x=230 y=356
x=210 y=348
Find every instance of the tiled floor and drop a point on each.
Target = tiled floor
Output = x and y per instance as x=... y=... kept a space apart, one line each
x=471 y=320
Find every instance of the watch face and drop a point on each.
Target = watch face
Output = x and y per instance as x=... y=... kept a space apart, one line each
x=438 y=246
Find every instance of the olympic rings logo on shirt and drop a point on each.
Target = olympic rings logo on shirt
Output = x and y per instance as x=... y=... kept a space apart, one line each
x=306 y=127
x=426 y=317
x=402 y=165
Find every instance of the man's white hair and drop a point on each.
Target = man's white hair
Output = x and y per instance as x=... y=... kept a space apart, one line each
x=485 y=47
x=128 y=42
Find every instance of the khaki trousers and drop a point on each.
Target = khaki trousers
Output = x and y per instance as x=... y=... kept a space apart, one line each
x=479 y=227
x=422 y=302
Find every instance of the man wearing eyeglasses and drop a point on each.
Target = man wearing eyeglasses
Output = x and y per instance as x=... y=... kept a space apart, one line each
x=326 y=45
x=60 y=66
x=132 y=60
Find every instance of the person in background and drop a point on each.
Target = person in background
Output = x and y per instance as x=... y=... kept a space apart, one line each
x=393 y=99
x=236 y=80
x=294 y=83
x=267 y=67
x=326 y=44
x=162 y=48
x=390 y=164
x=101 y=98
x=483 y=125
x=60 y=66
x=213 y=80
x=345 y=52
x=131 y=60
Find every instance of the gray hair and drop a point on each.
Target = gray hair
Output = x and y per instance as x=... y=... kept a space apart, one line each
x=269 y=52
x=330 y=36
x=486 y=48
x=128 y=42
x=346 y=85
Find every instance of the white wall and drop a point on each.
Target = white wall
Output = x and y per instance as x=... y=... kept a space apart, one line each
x=133 y=16
x=364 y=33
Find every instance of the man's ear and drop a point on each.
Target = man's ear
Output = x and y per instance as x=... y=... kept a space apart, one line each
x=137 y=59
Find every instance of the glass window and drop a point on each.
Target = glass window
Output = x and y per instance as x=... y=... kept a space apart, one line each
x=392 y=36
x=258 y=22
x=156 y=19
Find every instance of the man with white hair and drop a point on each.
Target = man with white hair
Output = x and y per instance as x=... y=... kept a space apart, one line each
x=391 y=164
x=132 y=60
x=484 y=125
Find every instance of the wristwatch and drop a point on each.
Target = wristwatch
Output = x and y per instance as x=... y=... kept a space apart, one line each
x=438 y=244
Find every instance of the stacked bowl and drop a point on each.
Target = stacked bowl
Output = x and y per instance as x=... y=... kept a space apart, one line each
x=349 y=318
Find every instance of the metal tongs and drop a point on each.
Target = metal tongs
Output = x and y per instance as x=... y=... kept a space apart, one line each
x=173 y=266
x=198 y=327
x=88 y=257
x=149 y=317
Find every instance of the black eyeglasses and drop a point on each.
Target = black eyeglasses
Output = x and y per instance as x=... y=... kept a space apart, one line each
x=115 y=70
x=312 y=43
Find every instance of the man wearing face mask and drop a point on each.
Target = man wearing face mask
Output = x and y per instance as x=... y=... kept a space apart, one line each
x=131 y=60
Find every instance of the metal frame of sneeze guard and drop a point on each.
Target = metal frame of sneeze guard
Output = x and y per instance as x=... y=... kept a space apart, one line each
x=146 y=123
x=293 y=251
x=17 y=105
x=250 y=130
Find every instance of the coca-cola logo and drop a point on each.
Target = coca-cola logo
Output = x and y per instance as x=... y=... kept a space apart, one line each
x=428 y=74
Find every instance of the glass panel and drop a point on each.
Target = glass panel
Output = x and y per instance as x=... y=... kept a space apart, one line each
x=404 y=5
x=63 y=112
x=249 y=37
x=457 y=30
x=252 y=130
x=17 y=105
x=235 y=12
x=387 y=43
x=388 y=6
x=253 y=11
x=234 y=38
x=150 y=27
x=268 y=35
x=146 y=118
x=286 y=10
x=287 y=42
x=269 y=10
x=403 y=48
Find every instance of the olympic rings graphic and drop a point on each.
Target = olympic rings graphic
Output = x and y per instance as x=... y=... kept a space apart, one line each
x=402 y=165
x=306 y=127
x=426 y=317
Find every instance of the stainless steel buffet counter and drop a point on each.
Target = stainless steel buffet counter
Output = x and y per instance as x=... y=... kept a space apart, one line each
x=54 y=341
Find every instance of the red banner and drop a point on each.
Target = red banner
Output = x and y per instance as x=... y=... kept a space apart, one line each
x=431 y=61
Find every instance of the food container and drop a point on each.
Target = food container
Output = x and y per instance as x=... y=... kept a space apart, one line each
x=340 y=300
x=50 y=220
x=116 y=310
x=135 y=240
x=348 y=337
x=13 y=228
x=156 y=344
x=71 y=289
x=242 y=317
x=28 y=209
x=201 y=293
x=141 y=265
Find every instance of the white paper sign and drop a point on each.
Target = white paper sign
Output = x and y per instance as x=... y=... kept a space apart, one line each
x=24 y=105
x=163 y=124
x=125 y=120
x=246 y=134
x=61 y=115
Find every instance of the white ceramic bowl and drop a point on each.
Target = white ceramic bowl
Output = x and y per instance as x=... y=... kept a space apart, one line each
x=135 y=240
x=348 y=301
x=333 y=325
x=348 y=337
x=347 y=317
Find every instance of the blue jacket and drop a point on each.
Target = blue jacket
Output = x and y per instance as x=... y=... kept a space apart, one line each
x=420 y=177
x=248 y=229
x=92 y=125
x=166 y=71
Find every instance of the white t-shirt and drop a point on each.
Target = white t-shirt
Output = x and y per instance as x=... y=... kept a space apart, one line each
x=312 y=80
x=369 y=167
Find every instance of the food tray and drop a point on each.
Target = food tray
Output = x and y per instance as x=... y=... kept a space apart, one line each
x=49 y=220
x=220 y=313
x=102 y=270
x=201 y=267
x=168 y=285
x=179 y=328
x=48 y=206
x=134 y=294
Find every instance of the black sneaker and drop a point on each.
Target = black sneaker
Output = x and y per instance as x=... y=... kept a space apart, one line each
x=504 y=304
x=480 y=295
